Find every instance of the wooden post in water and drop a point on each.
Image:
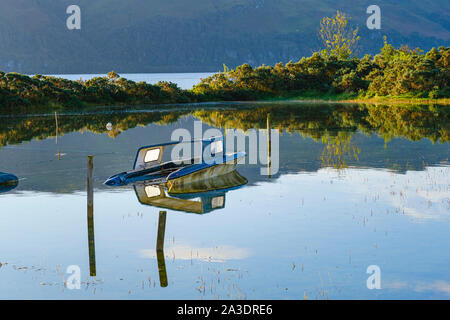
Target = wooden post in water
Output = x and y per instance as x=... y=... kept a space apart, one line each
x=56 y=121
x=90 y=215
x=269 y=146
x=160 y=249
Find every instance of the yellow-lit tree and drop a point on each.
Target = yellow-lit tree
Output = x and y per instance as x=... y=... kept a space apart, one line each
x=338 y=37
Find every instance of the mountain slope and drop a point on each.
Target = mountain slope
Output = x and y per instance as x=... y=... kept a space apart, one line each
x=200 y=35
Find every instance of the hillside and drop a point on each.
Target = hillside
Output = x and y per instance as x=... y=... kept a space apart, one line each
x=201 y=35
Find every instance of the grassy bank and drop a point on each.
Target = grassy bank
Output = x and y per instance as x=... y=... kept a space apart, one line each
x=398 y=100
x=314 y=96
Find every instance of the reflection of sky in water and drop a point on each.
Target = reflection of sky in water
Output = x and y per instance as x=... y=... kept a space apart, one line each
x=310 y=234
x=214 y=254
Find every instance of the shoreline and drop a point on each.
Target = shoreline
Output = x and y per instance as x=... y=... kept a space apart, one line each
x=161 y=107
x=388 y=101
x=315 y=97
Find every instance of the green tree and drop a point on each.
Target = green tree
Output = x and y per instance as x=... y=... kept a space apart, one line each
x=338 y=37
x=112 y=75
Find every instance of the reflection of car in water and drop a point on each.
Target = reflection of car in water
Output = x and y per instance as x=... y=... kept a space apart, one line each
x=149 y=166
x=181 y=196
x=175 y=196
x=8 y=182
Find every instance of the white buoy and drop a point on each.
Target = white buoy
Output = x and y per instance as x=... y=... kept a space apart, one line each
x=109 y=126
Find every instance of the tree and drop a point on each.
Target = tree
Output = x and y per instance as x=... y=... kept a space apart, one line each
x=338 y=37
x=112 y=75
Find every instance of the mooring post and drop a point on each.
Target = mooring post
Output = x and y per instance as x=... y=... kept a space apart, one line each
x=57 y=129
x=90 y=215
x=56 y=122
x=269 y=146
x=90 y=186
x=160 y=249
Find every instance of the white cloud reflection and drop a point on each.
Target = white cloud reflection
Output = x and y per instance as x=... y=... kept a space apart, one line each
x=213 y=254
x=437 y=286
x=421 y=195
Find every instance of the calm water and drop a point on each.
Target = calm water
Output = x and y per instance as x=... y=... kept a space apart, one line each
x=357 y=186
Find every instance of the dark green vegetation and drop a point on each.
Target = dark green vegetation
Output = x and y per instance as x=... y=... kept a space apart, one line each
x=201 y=35
x=391 y=73
x=17 y=92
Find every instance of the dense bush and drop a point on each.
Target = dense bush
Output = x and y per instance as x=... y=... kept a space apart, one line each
x=392 y=72
x=18 y=90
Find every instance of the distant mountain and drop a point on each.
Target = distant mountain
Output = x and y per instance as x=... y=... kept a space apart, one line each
x=196 y=35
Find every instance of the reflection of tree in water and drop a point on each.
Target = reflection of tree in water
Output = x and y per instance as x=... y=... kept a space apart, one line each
x=411 y=122
x=308 y=120
x=338 y=150
x=16 y=130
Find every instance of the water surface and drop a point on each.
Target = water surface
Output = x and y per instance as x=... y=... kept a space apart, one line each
x=357 y=186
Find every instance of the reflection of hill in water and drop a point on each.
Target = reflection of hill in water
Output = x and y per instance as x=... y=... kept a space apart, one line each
x=384 y=137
